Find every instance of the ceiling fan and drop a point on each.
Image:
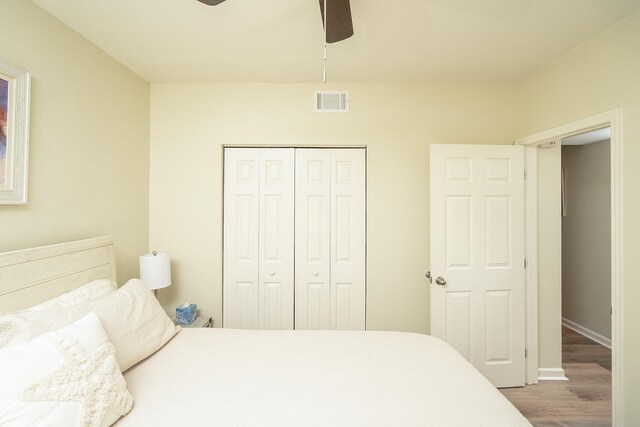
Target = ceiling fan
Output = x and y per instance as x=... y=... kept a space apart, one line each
x=340 y=25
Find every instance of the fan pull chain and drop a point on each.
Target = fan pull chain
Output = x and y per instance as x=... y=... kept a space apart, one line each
x=324 y=64
x=324 y=70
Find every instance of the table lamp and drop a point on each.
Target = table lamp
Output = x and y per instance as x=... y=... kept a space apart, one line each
x=155 y=270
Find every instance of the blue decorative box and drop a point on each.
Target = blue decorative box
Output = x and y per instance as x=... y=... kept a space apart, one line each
x=186 y=314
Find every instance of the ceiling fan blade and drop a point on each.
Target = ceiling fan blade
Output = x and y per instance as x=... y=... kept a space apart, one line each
x=339 y=26
x=211 y=2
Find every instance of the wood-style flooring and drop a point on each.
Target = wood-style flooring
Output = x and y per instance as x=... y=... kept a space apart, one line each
x=583 y=401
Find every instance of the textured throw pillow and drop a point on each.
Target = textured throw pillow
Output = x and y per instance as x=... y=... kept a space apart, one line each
x=89 y=292
x=68 y=377
x=134 y=321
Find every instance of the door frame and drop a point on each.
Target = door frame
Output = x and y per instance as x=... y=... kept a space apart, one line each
x=613 y=119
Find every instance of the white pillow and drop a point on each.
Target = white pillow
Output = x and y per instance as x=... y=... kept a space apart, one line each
x=88 y=292
x=68 y=377
x=134 y=321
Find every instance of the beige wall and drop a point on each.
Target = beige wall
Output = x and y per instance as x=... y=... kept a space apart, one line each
x=586 y=237
x=190 y=124
x=598 y=76
x=89 y=144
x=89 y=160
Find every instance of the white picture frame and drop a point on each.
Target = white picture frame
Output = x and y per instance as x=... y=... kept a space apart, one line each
x=15 y=88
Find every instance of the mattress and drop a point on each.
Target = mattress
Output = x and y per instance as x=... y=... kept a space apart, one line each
x=227 y=377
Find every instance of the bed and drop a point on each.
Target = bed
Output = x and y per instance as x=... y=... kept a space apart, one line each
x=227 y=377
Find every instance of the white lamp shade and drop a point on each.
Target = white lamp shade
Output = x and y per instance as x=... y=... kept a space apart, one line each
x=155 y=270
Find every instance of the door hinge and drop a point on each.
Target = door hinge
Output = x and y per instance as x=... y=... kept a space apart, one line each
x=525 y=353
x=525 y=174
x=525 y=263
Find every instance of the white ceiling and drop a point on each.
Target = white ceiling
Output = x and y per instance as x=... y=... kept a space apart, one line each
x=434 y=41
x=588 y=137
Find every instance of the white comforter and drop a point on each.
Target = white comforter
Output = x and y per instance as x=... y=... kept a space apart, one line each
x=223 y=377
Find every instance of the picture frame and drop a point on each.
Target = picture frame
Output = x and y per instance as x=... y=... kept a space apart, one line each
x=15 y=88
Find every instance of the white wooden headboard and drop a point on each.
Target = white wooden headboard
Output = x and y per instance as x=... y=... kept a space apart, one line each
x=31 y=276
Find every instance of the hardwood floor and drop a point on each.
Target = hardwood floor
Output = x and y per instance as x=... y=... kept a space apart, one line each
x=583 y=401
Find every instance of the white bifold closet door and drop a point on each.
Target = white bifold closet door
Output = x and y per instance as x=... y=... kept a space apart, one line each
x=330 y=239
x=258 y=238
x=263 y=187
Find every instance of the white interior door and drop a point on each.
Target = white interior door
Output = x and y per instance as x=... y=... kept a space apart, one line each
x=313 y=239
x=241 y=219
x=330 y=239
x=276 y=239
x=258 y=238
x=348 y=239
x=477 y=256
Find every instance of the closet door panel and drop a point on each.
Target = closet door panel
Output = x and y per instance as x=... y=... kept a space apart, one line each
x=316 y=249
x=241 y=263
x=312 y=239
x=348 y=239
x=276 y=239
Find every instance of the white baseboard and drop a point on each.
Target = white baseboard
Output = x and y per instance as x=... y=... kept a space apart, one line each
x=600 y=339
x=551 y=374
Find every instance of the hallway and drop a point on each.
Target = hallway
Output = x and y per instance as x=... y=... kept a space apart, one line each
x=583 y=401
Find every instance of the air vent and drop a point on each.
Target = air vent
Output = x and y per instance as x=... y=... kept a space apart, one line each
x=331 y=102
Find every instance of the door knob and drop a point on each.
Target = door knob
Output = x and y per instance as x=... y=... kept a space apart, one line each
x=440 y=281
x=315 y=273
x=273 y=273
x=428 y=276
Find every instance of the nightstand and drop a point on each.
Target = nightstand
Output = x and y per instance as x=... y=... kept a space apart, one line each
x=200 y=322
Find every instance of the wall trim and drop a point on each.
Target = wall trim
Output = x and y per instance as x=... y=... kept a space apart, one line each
x=584 y=331
x=552 y=374
x=614 y=119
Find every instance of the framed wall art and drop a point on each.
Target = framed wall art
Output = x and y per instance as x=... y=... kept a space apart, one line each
x=15 y=86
